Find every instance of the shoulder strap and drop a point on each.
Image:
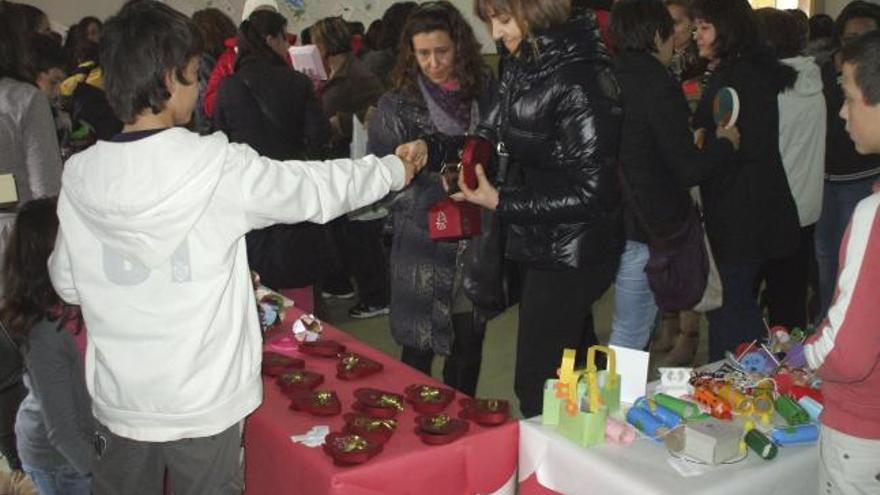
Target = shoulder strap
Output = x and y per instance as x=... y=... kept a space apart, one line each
x=265 y=109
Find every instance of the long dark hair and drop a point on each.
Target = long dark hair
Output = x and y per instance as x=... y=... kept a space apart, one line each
x=469 y=69
x=28 y=293
x=14 y=46
x=252 y=37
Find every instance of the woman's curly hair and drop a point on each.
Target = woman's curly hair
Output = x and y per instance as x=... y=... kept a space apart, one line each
x=469 y=69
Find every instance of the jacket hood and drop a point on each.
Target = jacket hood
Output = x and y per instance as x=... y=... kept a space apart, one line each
x=809 y=76
x=142 y=198
x=776 y=74
x=576 y=40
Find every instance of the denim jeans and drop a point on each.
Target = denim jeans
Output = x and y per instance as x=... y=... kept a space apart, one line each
x=739 y=318
x=839 y=200
x=62 y=480
x=635 y=312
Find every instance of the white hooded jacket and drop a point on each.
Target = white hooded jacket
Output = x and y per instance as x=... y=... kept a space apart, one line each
x=802 y=138
x=151 y=245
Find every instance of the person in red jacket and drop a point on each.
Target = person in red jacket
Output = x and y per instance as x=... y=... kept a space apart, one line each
x=845 y=351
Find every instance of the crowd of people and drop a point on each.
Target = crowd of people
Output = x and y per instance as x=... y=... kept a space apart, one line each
x=159 y=159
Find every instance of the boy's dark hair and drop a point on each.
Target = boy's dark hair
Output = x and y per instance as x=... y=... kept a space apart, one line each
x=634 y=23
x=736 y=32
x=863 y=53
x=252 y=37
x=139 y=46
x=783 y=31
x=215 y=27
x=356 y=27
x=47 y=54
x=88 y=20
x=857 y=9
x=821 y=26
x=13 y=42
x=333 y=34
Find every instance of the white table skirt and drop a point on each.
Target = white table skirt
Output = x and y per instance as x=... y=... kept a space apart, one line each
x=643 y=468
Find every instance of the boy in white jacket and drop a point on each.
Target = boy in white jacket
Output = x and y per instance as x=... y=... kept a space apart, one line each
x=151 y=245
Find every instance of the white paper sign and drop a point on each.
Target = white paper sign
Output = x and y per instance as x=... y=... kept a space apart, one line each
x=307 y=59
x=632 y=366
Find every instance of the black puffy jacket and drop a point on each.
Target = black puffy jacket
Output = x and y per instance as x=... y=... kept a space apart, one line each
x=558 y=115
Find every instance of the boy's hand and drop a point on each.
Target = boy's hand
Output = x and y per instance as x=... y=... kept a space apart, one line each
x=415 y=152
x=484 y=195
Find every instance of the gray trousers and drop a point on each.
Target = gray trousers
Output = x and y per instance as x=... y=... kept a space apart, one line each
x=848 y=465
x=194 y=466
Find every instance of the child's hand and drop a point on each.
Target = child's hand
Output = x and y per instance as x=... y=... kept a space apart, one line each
x=484 y=195
x=415 y=152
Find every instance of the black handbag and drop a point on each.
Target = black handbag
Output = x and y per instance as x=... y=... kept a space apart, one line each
x=678 y=264
x=490 y=280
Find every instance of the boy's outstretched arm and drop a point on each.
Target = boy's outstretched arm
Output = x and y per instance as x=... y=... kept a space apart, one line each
x=846 y=348
x=310 y=191
x=60 y=270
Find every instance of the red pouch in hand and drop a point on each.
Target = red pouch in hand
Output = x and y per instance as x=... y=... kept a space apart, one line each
x=475 y=150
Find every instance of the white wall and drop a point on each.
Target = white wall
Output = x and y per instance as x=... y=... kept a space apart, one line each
x=66 y=12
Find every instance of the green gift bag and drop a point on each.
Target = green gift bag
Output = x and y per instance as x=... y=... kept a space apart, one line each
x=608 y=379
x=557 y=390
x=583 y=421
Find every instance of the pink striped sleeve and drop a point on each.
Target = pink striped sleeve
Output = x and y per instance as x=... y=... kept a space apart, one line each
x=846 y=347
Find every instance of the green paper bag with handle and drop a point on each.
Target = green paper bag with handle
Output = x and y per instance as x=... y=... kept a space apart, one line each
x=556 y=391
x=583 y=420
x=608 y=379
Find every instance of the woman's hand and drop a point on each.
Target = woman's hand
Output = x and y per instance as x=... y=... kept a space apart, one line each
x=729 y=133
x=484 y=195
x=415 y=152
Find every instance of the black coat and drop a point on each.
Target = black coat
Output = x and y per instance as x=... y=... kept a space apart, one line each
x=422 y=270
x=657 y=152
x=750 y=213
x=289 y=124
x=558 y=115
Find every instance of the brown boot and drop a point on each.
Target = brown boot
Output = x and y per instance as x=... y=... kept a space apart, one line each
x=686 y=345
x=666 y=334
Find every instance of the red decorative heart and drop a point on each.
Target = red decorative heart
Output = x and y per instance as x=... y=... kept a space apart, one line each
x=375 y=429
x=378 y=403
x=439 y=429
x=322 y=348
x=428 y=399
x=352 y=366
x=348 y=449
x=485 y=412
x=316 y=402
x=295 y=381
x=275 y=364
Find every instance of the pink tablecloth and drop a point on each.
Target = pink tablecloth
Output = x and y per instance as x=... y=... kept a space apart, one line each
x=484 y=461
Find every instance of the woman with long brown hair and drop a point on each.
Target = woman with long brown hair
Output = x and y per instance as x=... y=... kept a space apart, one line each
x=440 y=84
x=54 y=424
x=558 y=120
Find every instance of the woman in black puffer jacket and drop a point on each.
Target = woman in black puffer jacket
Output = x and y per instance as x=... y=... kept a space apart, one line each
x=558 y=117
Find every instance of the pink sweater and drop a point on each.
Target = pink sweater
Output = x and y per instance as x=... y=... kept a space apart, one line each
x=845 y=350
